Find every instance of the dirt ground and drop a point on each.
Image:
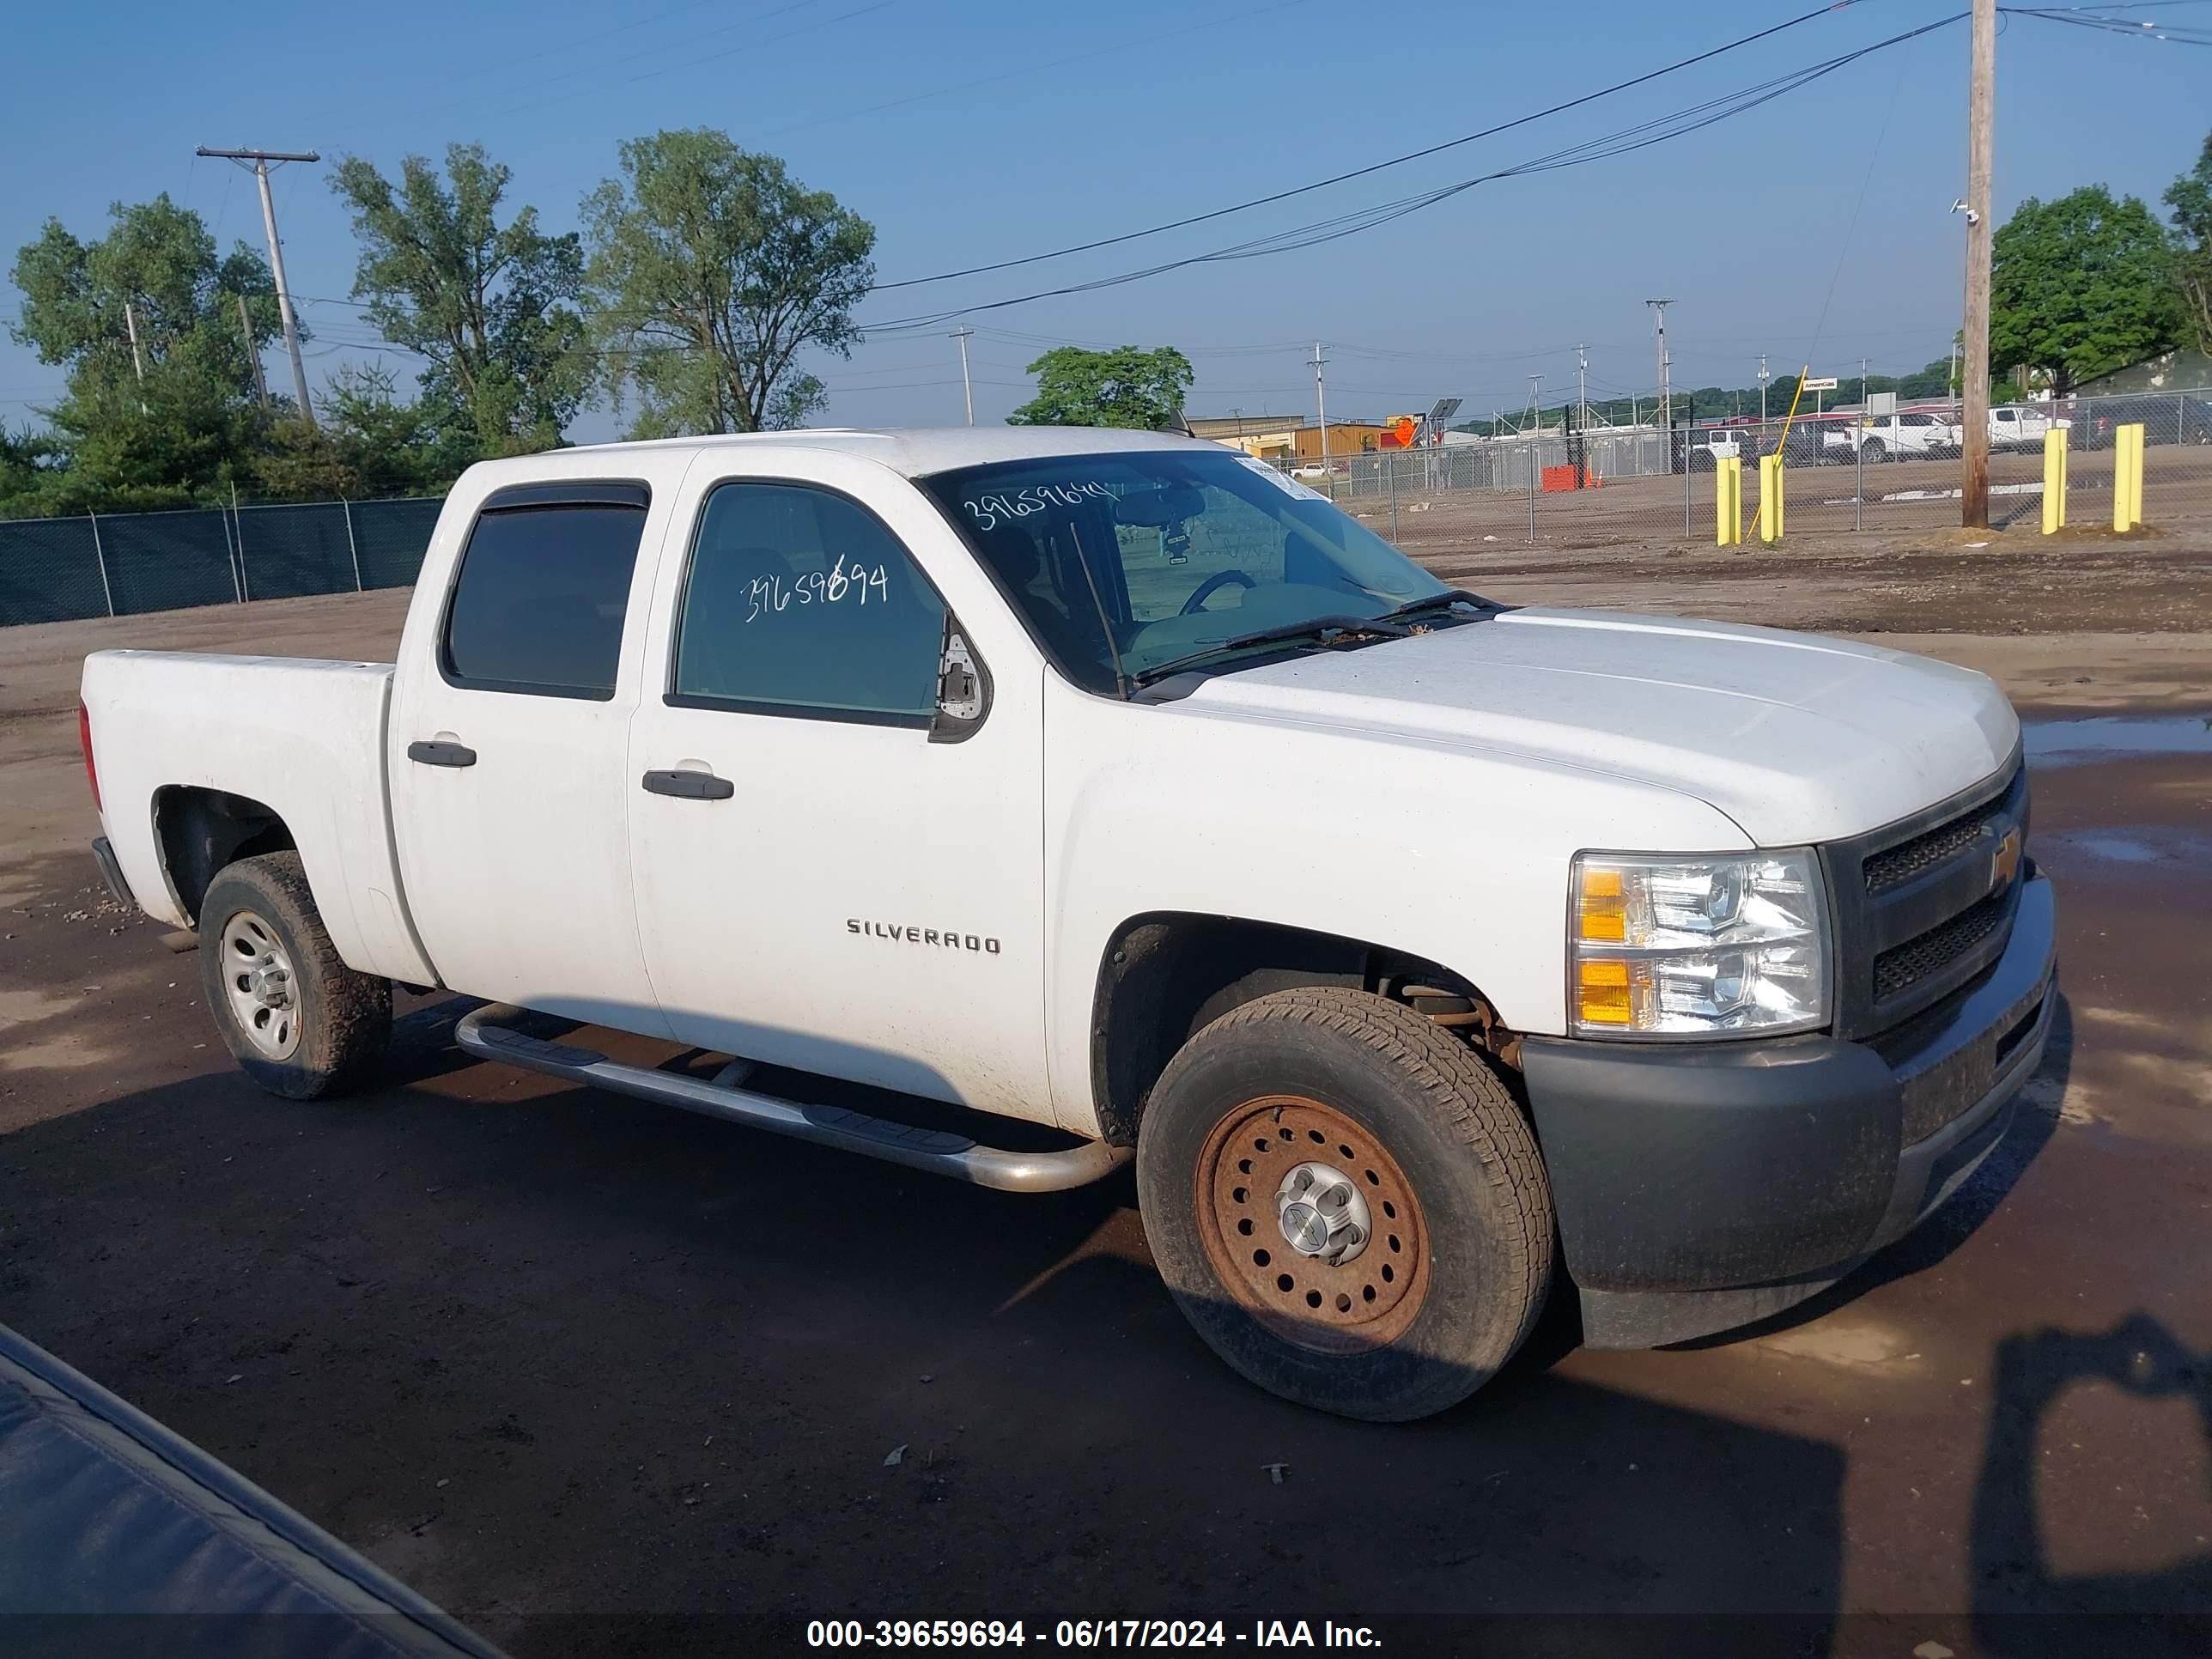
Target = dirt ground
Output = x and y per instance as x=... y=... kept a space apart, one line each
x=604 y=1378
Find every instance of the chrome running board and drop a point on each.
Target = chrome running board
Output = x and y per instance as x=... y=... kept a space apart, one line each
x=484 y=1034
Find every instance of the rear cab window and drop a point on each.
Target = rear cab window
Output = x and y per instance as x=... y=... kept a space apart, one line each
x=538 y=603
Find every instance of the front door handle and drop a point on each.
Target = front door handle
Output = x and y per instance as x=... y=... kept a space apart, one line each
x=690 y=786
x=439 y=752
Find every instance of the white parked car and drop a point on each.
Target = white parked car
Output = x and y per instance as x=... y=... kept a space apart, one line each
x=1913 y=435
x=2021 y=426
x=1418 y=950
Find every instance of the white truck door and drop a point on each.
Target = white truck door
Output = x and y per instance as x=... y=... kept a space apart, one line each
x=823 y=881
x=509 y=751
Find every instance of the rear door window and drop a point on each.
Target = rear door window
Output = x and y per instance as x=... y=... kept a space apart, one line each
x=538 y=605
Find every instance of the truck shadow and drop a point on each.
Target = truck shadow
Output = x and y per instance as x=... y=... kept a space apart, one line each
x=2024 y=1606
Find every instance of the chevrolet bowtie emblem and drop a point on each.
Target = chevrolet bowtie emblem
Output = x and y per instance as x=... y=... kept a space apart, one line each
x=2004 y=863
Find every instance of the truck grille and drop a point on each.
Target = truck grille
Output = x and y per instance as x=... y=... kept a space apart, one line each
x=1902 y=967
x=1923 y=906
x=1897 y=864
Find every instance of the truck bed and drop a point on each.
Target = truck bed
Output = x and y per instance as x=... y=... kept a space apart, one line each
x=305 y=737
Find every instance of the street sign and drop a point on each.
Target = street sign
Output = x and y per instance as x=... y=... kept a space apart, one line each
x=1825 y=383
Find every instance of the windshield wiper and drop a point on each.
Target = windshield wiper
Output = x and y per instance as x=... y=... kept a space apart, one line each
x=1451 y=596
x=1318 y=628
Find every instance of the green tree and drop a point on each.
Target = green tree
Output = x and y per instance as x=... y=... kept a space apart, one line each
x=2079 y=286
x=711 y=270
x=2191 y=198
x=180 y=434
x=369 y=442
x=30 y=466
x=490 y=306
x=1126 y=387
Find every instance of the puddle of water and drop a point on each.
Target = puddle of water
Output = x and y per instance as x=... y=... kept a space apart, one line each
x=2129 y=844
x=2114 y=737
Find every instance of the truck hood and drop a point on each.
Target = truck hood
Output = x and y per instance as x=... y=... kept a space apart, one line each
x=1795 y=736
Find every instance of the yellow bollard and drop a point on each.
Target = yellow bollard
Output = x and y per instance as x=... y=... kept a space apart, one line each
x=2135 y=474
x=2125 y=500
x=1767 y=464
x=2054 y=480
x=1727 y=503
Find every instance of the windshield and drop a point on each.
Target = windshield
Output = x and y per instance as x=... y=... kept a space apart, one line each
x=1122 y=562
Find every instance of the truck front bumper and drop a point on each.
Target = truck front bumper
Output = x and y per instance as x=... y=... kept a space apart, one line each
x=1701 y=1186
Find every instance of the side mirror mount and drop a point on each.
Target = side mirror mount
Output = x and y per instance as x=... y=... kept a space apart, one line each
x=963 y=688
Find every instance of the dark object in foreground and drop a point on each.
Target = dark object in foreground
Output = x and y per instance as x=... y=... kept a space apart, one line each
x=118 y=1537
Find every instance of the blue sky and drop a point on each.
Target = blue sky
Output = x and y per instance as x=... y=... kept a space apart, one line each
x=1814 y=227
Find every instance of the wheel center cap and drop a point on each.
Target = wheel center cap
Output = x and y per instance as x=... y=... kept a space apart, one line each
x=271 y=986
x=1321 y=1214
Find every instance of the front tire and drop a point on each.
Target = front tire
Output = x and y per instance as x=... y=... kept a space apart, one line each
x=299 y=1022
x=1296 y=1120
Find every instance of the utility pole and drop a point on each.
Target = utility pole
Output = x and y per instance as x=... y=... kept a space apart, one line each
x=1581 y=389
x=1666 y=389
x=1981 y=120
x=259 y=161
x=1536 y=413
x=1321 y=408
x=1762 y=388
x=137 y=363
x=252 y=353
x=967 y=386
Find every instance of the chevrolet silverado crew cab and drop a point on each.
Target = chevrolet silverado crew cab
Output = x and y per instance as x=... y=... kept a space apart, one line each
x=1419 y=950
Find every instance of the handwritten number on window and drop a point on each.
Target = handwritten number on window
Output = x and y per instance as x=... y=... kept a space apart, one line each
x=844 y=582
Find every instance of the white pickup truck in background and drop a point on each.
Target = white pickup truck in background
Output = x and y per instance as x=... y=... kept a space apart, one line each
x=1419 y=950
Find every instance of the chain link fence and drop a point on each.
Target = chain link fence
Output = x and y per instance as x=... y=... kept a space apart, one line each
x=1896 y=471
x=121 y=564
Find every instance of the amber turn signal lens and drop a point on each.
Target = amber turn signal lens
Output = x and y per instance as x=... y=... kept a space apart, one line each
x=1604 y=906
x=1602 y=992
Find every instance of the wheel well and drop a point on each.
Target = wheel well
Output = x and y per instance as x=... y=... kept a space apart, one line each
x=1164 y=976
x=201 y=830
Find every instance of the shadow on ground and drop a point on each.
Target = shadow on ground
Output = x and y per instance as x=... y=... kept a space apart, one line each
x=599 y=1376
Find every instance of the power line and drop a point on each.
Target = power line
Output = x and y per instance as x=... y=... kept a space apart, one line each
x=1641 y=135
x=1376 y=167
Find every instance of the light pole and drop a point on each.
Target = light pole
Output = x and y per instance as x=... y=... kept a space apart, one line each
x=967 y=386
x=1666 y=390
x=1321 y=408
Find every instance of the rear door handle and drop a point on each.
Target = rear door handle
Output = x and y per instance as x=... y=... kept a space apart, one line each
x=690 y=786
x=438 y=752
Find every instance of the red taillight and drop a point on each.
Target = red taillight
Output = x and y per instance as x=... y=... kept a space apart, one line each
x=84 y=742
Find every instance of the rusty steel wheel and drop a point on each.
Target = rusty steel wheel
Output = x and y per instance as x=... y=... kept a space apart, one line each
x=1311 y=1225
x=1346 y=1202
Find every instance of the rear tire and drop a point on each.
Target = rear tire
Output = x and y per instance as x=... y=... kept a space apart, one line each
x=1874 y=451
x=1363 y=1097
x=298 y=1021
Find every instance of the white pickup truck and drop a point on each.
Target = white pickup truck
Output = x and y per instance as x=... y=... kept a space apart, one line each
x=1420 y=951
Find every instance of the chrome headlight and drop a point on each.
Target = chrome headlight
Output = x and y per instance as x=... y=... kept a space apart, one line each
x=1664 y=945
